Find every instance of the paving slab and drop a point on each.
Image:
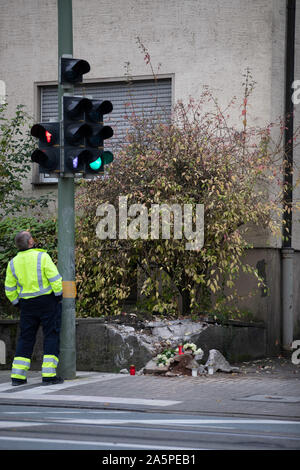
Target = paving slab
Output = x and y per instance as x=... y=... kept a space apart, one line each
x=269 y=388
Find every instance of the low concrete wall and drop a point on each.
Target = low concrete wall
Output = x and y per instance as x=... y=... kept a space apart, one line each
x=237 y=342
x=110 y=347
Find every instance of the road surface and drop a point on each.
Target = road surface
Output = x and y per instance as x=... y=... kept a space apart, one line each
x=50 y=428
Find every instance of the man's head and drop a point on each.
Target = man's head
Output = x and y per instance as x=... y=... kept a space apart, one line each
x=24 y=240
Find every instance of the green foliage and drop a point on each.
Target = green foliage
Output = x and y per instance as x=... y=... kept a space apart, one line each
x=101 y=286
x=197 y=158
x=16 y=145
x=44 y=234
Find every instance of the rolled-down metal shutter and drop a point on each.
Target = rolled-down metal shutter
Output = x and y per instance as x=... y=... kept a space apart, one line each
x=143 y=98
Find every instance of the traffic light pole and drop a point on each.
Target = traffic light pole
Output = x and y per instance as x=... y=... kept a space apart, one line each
x=66 y=216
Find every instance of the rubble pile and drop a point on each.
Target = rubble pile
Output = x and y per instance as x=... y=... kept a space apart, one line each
x=161 y=340
x=185 y=363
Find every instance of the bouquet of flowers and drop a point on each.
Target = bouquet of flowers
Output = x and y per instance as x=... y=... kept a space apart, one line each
x=166 y=357
x=192 y=347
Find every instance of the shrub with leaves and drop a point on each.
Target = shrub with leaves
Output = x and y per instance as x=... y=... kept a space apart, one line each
x=44 y=234
x=101 y=286
x=196 y=158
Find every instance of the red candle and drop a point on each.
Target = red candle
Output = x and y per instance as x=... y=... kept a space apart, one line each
x=132 y=370
x=180 y=349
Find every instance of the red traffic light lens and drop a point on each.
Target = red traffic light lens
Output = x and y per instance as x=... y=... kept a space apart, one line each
x=48 y=136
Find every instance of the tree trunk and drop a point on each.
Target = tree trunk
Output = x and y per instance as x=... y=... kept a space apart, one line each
x=186 y=302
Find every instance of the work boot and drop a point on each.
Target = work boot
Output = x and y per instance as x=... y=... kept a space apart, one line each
x=16 y=382
x=52 y=380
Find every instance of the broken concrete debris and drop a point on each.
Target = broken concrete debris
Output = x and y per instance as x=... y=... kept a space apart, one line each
x=168 y=334
x=217 y=362
x=184 y=365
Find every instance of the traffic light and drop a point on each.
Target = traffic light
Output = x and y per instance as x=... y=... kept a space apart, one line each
x=84 y=134
x=48 y=153
x=76 y=131
x=100 y=133
x=71 y=70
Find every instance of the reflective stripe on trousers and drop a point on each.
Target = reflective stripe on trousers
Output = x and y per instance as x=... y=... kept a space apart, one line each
x=20 y=367
x=49 y=365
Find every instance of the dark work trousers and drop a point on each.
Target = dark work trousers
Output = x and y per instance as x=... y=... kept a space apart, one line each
x=44 y=310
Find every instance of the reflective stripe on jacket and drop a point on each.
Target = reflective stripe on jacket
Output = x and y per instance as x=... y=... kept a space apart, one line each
x=31 y=273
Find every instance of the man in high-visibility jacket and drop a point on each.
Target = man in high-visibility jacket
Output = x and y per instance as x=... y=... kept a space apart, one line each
x=34 y=284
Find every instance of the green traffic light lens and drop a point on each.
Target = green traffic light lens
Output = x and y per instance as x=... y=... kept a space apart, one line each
x=96 y=165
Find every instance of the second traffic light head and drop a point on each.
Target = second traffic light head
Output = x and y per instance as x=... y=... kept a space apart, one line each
x=84 y=134
x=83 y=121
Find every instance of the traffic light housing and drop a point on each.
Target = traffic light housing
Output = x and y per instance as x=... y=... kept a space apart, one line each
x=72 y=70
x=101 y=132
x=84 y=135
x=48 y=153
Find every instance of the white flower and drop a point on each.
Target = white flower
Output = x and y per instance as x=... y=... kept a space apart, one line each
x=191 y=346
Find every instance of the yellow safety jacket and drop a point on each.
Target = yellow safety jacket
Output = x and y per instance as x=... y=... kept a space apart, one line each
x=31 y=273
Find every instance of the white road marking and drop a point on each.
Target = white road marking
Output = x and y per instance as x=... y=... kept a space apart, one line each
x=46 y=392
x=107 y=445
x=176 y=422
x=86 y=398
x=19 y=424
x=64 y=412
x=42 y=389
x=7 y=385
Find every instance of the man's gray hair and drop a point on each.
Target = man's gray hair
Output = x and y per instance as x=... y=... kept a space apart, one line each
x=22 y=239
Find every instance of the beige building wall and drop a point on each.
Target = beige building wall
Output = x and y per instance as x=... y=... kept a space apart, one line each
x=197 y=42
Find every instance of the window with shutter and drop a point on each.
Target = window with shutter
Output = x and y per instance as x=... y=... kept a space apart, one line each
x=144 y=98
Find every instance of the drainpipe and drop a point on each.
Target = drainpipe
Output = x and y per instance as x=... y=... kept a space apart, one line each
x=287 y=251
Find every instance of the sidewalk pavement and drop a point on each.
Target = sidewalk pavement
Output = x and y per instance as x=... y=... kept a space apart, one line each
x=267 y=388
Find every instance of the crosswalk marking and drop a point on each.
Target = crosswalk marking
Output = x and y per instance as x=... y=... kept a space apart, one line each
x=19 y=424
x=86 y=398
x=179 y=422
x=98 y=444
x=49 y=392
x=82 y=379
